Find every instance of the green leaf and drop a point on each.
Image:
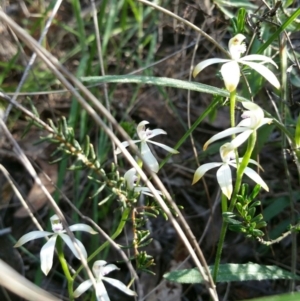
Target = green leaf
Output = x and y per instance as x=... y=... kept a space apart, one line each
x=297 y=133
x=232 y=272
x=285 y=297
x=159 y=81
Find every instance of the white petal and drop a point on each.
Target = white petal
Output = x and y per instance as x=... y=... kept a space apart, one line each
x=227 y=152
x=246 y=123
x=31 y=236
x=255 y=113
x=108 y=268
x=251 y=106
x=206 y=63
x=256 y=178
x=83 y=227
x=167 y=148
x=46 y=254
x=84 y=286
x=130 y=178
x=236 y=46
x=241 y=138
x=70 y=244
x=121 y=286
x=231 y=75
x=201 y=170
x=156 y=132
x=146 y=190
x=225 y=180
x=255 y=163
x=148 y=157
x=222 y=135
x=265 y=72
x=141 y=127
x=125 y=144
x=97 y=267
x=257 y=57
x=101 y=292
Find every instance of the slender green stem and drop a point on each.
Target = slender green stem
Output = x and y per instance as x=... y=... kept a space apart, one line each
x=224 y=203
x=240 y=172
x=232 y=108
x=114 y=236
x=222 y=239
x=241 y=169
x=64 y=266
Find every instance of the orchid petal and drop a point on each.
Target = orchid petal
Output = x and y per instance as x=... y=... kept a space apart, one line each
x=125 y=144
x=146 y=190
x=236 y=46
x=46 y=254
x=233 y=163
x=97 y=267
x=31 y=236
x=108 y=268
x=251 y=106
x=223 y=134
x=227 y=152
x=101 y=292
x=265 y=121
x=156 y=132
x=120 y=285
x=256 y=178
x=255 y=114
x=167 y=148
x=84 y=286
x=130 y=178
x=141 y=127
x=255 y=163
x=225 y=180
x=206 y=63
x=83 y=227
x=231 y=75
x=246 y=123
x=265 y=72
x=257 y=57
x=201 y=170
x=148 y=157
x=241 y=138
x=70 y=244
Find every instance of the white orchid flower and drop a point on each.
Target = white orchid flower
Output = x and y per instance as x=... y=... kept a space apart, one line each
x=47 y=250
x=231 y=69
x=145 y=135
x=131 y=179
x=100 y=269
x=224 y=176
x=254 y=118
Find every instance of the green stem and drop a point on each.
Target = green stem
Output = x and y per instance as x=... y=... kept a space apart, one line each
x=221 y=240
x=241 y=169
x=232 y=100
x=120 y=228
x=64 y=266
x=238 y=182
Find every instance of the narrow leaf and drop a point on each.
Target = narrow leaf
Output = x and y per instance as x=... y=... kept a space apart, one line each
x=232 y=272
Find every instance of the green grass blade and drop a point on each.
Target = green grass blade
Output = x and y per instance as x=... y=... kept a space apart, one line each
x=279 y=30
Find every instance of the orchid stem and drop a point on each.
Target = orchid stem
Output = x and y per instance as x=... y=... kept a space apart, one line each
x=241 y=169
x=240 y=172
x=64 y=266
x=222 y=239
x=232 y=100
